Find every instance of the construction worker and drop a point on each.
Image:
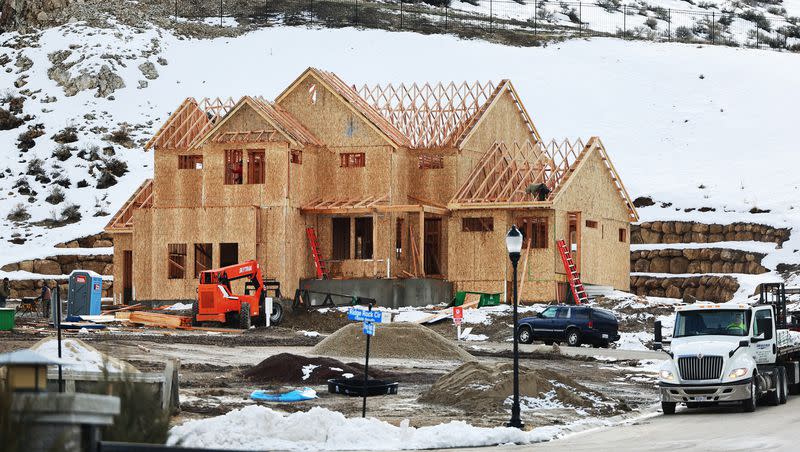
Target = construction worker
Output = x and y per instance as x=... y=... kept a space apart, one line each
x=45 y=297
x=737 y=324
x=5 y=292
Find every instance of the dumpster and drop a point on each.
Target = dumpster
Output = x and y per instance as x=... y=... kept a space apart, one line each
x=7 y=319
x=85 y=291
x=486 y=299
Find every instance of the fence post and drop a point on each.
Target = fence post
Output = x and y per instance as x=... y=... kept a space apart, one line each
x=490 y=16
x=534 y=17
x=713 y=21
x=220 y=13
x=401 y=14
x=580 y=18
x=758 y=44
x=669 y=25
x=446 y=9
x=624 y=21
x=176 y=10
x=311 y=12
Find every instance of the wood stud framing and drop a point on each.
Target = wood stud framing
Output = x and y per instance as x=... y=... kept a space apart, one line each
x=189 y=122
x=141 y=198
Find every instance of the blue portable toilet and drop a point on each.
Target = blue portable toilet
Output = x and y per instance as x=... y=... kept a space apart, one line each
x=85 y=291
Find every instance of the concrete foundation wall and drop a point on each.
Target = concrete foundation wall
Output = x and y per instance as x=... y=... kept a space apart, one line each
x=389 y=293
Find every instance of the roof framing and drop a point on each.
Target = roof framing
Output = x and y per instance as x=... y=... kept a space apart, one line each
x=191 y=120
x=142 y=198
x=366 y=205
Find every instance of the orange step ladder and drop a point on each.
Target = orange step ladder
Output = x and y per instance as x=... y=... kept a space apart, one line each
x=578 y=292
x=319 y=264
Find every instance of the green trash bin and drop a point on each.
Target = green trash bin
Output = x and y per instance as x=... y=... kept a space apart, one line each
x=486 y=299
x=7 y=319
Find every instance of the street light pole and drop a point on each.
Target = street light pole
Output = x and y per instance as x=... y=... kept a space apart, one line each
x=514 y=246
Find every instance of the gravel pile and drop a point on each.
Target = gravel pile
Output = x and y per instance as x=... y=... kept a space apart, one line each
x=290 y=369
x=392 y=340
x=475 y=387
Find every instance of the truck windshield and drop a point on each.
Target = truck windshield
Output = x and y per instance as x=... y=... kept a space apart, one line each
x=712 y=322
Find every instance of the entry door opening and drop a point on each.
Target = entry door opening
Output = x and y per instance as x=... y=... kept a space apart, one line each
x=433 y=246
x=574 y=238
x=127 y=276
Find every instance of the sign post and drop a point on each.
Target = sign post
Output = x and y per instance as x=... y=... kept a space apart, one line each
x=369 y=318
x=458 y=317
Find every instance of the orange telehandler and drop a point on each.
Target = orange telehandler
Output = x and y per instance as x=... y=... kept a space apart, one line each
x=216 y=301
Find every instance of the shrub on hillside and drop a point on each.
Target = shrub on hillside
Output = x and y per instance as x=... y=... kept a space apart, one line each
x=8 y=121
x=106 y=180
x=23 y=186
x=35 y=167
x=19 y=213
x=63 y=152
x=82 y=183
x=63 y=182
x=71 y=214
x=116 y=167
x=684 y=34
x=66 y=135
x=27 y=138
x=56 y=196
x=121 y=136
x=758 y=18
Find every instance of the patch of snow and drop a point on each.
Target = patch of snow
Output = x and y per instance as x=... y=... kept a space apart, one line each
x=322 y=429
x=308 y=369
x=179 y=307
x=82 y=358
x=309 y=333
x=476 y=337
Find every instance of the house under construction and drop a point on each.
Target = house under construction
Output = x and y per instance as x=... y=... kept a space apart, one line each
x=386 y=181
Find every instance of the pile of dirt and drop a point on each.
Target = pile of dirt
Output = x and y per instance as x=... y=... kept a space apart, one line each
x=292 y=369
x=476 y=387
x=392 y=340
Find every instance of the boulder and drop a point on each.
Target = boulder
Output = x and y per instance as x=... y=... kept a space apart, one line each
x=641 y=266
x=659 y=265
x=678 y=265
x=46 y=267
x=673 y=292
x=102 y=244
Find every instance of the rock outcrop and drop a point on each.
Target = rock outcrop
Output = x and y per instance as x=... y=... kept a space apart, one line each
x=65 y=264
x=33 y=288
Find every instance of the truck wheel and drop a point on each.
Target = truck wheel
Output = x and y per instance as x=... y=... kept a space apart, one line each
x=573 y=337
x=668 y=407
x=749 y=405
x=773 y=397
x=277 y=313
x=195 y=312
x=784 y=385
x=244 y=316
x=524 y=335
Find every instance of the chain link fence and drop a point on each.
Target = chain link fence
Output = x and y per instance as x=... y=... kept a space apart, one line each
x=520 y=22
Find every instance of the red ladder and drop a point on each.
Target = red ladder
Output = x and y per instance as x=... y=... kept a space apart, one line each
x=578 y=292
x=319 y=264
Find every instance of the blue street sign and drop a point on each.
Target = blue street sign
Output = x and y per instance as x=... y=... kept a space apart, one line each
x=362 y=315
x=369 y=328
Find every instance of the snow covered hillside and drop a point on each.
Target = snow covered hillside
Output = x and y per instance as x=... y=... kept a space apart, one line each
x=692 y=126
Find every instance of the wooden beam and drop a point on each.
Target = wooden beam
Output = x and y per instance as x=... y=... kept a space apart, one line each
x=422 y=241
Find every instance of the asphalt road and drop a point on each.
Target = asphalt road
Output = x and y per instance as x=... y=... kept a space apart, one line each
x=599 y=353
x=773 y=428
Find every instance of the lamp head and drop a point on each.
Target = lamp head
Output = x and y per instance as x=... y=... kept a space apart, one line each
x=514 y=241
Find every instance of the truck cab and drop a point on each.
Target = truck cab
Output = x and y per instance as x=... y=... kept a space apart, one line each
x=731 y=352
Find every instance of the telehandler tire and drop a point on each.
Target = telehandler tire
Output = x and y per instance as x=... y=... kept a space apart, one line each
x=668 y=407
x=195 y=312
x=277 y=313
x=244 y=316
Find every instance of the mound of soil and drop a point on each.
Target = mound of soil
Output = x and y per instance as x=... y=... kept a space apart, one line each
x=294 y=369
x=475 y=387
x=392 y=340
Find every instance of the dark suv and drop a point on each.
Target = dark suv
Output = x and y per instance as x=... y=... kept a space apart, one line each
x=574 y=325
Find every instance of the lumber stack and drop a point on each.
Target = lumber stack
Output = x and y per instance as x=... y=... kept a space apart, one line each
x=160 y=320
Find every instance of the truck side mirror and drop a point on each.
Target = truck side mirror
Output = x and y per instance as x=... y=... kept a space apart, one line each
x=764 y=326
x=744 y=344
x=657 y=332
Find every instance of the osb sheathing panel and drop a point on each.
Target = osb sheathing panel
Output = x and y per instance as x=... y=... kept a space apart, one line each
x=158 y=227
x=304 y=186
x=401 y=176
x=435 y=184
x=329 y=118
x=122 y=242
x=502 y=122
x=374 y=179
x=478 y=261
x=272 y=192
x=173 y=187
x=604 y=259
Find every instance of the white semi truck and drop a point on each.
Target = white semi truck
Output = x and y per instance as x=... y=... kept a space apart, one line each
x=730 y=352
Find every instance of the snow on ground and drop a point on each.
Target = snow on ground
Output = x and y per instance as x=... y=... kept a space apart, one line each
x=322 y=429
x=179 y=307
x=82 y=357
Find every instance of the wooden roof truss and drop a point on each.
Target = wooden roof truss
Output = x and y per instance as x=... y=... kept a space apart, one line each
x=249 y=136
x=504 y=173
x=189 y=122
x=142 y=198
x=431 y=116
